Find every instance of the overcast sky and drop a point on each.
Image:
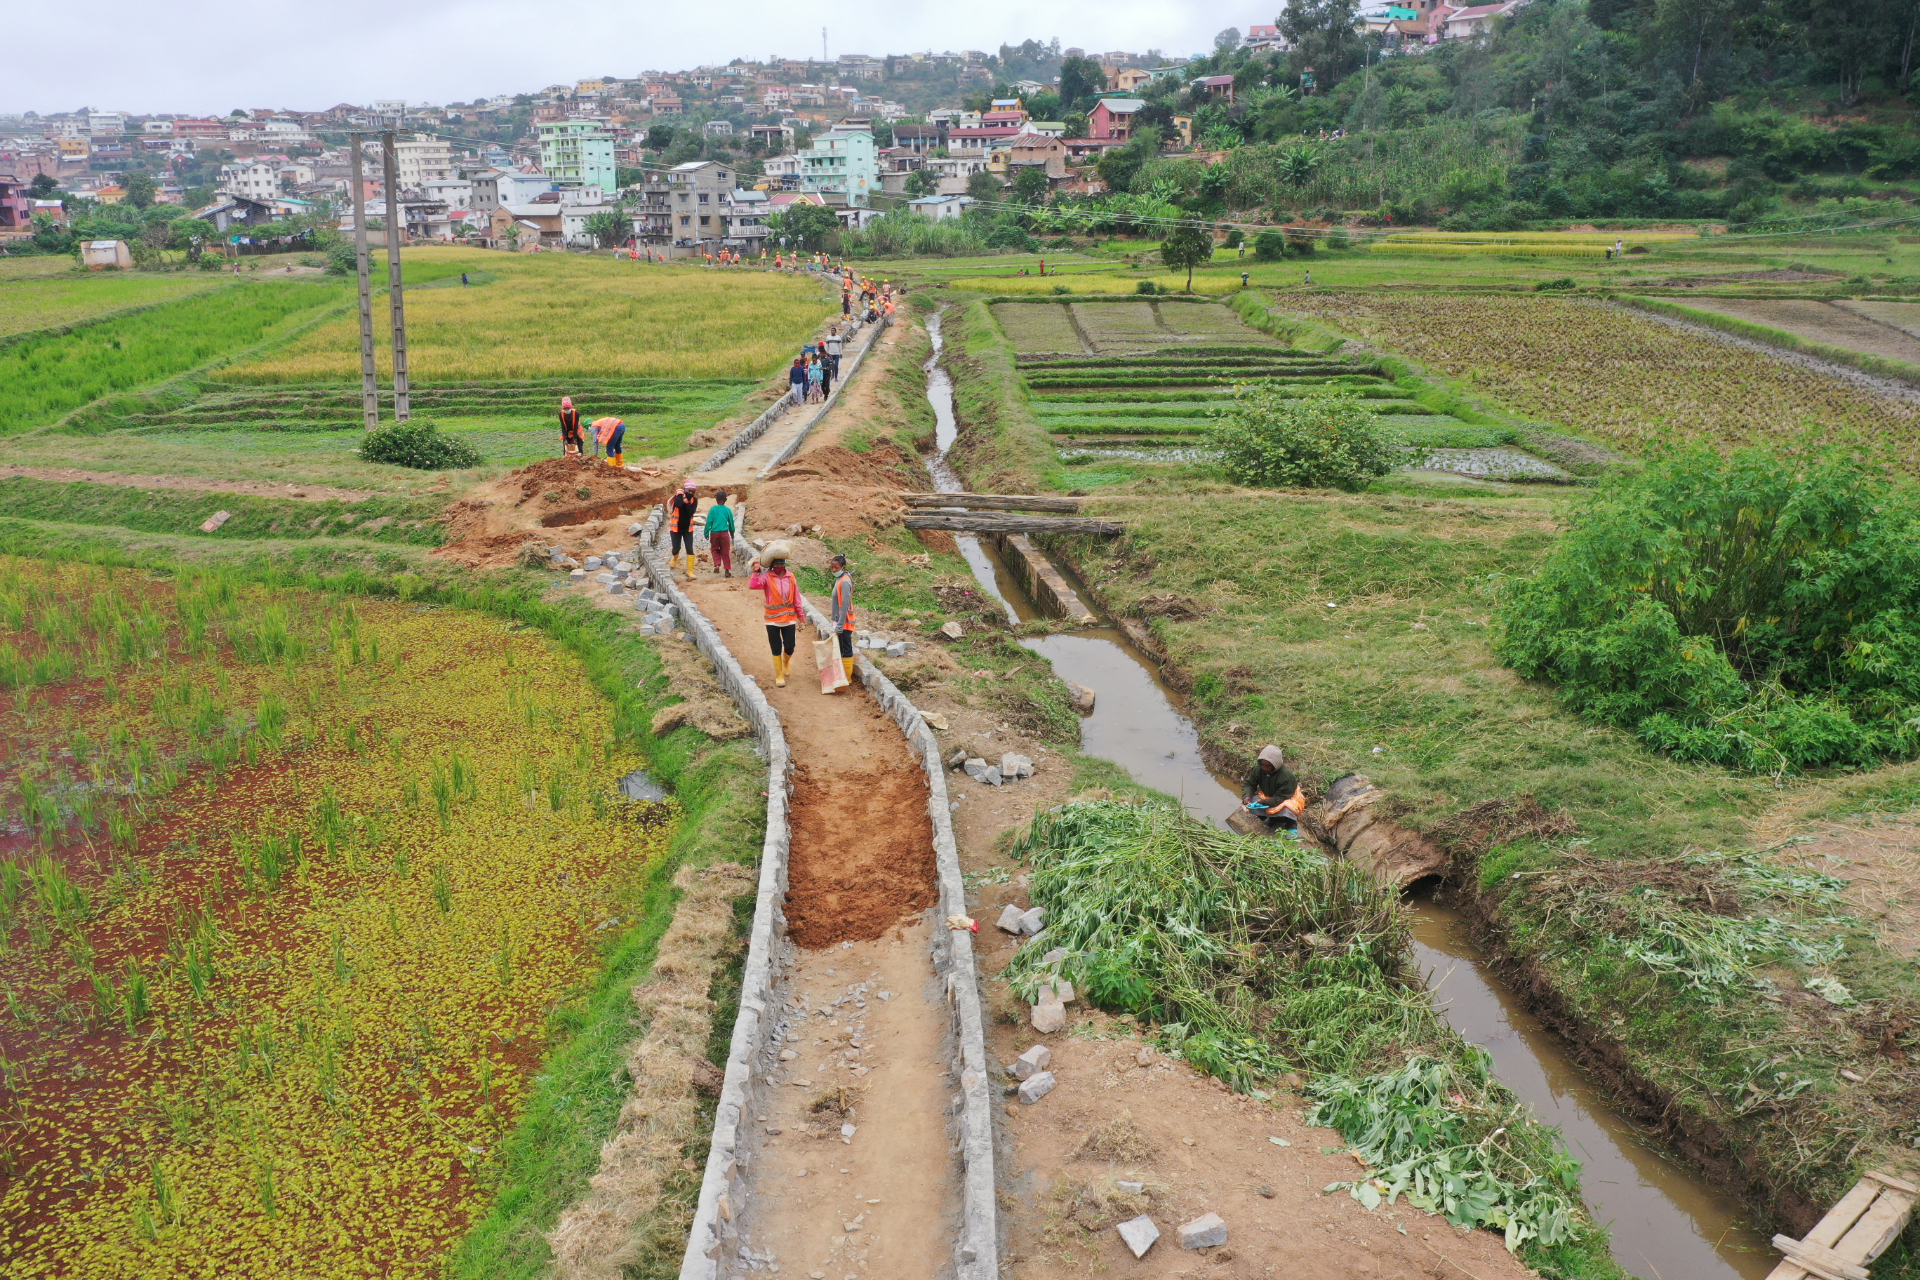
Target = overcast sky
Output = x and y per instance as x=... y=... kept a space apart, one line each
x=203 y=59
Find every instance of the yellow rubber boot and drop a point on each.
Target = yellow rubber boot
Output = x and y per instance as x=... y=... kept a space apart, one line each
x=779 y=670
x=691 y=563
x=846 y=664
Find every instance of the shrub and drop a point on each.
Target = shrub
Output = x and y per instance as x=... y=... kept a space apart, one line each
x=342 y=259
x=418 y=444
x=1146 y=286
x=1548 y=286
x=1268 y=437
x=1754 y=610
x=1270 y=246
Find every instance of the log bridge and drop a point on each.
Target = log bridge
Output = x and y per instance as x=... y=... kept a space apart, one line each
x=936 y=511
x=1855 y=1231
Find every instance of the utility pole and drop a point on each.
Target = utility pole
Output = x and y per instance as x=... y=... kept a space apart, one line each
x=395 y=215
x=823 y=44
x=369 y=376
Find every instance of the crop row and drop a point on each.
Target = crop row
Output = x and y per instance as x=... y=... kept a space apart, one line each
x=1620 y=376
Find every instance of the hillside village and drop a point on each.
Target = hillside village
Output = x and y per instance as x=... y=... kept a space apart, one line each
x=678 y=163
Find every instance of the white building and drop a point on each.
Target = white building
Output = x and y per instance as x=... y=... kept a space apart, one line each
x=106 y=124
x=258 y=180
x=421 y=159
x=507 y=189
x=940 y=208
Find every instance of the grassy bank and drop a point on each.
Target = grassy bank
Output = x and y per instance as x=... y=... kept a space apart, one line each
x=182 y=511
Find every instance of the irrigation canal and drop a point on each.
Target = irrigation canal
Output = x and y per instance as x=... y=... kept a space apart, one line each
x=1667 y=1223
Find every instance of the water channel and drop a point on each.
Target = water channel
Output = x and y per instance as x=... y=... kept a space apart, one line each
x=1666 y=1222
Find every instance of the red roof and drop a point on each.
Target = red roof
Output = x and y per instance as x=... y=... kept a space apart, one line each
x=986 y=131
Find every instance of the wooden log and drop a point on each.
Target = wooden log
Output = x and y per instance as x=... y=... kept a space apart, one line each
x=994 y=502
x=963 y=522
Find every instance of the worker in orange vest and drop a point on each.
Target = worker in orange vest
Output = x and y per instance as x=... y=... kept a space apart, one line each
x=843 y=619
x=783 y=604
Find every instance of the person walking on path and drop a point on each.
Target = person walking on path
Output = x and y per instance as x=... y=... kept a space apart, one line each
x=570 y=439
x=834 y=344
x=720 y=528
x=611 y=434
x=681 y=511
x=797 y=376
x=843 y=619
x=814 y=375
x=783 y=605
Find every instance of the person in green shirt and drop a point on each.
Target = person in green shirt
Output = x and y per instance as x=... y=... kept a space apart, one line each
x=720 y=531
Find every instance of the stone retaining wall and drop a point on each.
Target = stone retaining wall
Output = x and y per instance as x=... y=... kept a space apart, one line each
x=976 y=1251
x=723 y=1188
x=1045 y=585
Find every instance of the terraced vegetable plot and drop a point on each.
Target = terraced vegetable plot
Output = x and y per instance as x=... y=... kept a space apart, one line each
x=1160 y=368
x=295 y=893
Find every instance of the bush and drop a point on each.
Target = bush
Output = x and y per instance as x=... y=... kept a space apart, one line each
x=1009 y=236
x=1270 y=246
x=418 y=444
x=1146 y=286
x=1268 y=437
x=1755 y=611
x=1549 y=286
x=342 y=259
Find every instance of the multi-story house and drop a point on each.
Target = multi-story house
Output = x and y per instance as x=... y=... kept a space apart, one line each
x=420 y=159
x=578 y=152
x=843 y=161
x=699 y=198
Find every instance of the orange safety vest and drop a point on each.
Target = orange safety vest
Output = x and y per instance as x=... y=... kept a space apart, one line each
x=843 y=595
x=783 y=599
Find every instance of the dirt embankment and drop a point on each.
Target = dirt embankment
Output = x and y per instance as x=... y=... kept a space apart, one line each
x=570 y=502
x=846 y=494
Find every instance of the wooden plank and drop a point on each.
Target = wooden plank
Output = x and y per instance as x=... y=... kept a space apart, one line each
x=1820 y=1261
x=994 y=502
x=1878 y=1226
x=1788 y=1269
x=961 y=522
x=1845 y=1212
x=1888 y=1180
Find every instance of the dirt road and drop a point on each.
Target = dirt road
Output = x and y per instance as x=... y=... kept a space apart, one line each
x=853 y=1174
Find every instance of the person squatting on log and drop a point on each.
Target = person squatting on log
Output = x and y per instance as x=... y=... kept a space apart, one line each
x=843 y=619
x=680 y=513
x=783 y=605
x=720 y=528
x=1272 y=793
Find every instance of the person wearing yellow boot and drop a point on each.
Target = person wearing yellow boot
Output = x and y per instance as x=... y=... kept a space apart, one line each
x=843 y=619
x=783 y=604
x=680 y=513
x=612 y=434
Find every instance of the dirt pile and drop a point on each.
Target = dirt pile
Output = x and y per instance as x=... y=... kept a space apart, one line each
x=844 y=492
x=561 y=501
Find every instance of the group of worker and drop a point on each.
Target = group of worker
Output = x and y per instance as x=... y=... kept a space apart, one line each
x=770 y=574
x=608 y=434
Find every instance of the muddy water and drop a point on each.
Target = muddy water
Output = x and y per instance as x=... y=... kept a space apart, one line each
x=1666 y=1223
x=1136 y=721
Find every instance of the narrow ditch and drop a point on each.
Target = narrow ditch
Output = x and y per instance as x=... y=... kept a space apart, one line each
x=1666 y=1222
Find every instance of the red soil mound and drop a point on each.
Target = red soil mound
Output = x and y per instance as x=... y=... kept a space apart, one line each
x=561 y=501
x=844 y=492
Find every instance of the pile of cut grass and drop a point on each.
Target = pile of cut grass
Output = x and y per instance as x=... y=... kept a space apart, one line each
x=1250 y=956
